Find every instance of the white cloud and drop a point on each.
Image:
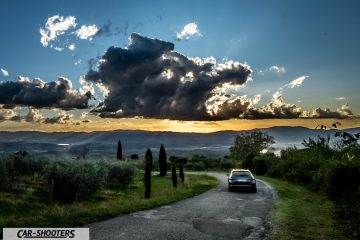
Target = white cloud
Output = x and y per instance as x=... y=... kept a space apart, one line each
x=33 y=115
x=276 y=69
x=256 y=99
x=71 y=47
x=77 y=62
x=55 y=26
x=87 y=32
x=188 y=31
x=23 y=79
x=84 y=115
x=4 y=72
x=340 y=98
x=61 y=118
x=57 y=48
x=297 y=82
x=342 y=112
x=8 y=114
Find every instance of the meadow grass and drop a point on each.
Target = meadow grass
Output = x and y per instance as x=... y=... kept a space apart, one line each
x=301 y=214
x=28 y=204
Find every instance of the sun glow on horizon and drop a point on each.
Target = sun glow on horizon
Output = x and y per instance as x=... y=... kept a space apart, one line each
x=165 y=125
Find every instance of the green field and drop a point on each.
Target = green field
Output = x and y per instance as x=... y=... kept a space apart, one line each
x=28 y=205
x=301 y=214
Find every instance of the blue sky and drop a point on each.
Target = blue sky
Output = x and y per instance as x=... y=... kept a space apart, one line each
x=318 y=39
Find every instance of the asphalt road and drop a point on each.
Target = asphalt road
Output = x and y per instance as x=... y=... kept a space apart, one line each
x=215 y=214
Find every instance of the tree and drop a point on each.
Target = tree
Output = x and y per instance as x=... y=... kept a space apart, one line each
x=173 y=175
x=134 y=156
x=84 y=152
x=250 y=143
x=147 y=177
x=119 y=151
x=181 y=172
x=162 y=161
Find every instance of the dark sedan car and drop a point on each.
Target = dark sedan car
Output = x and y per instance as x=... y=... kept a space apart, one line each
x=241 y=178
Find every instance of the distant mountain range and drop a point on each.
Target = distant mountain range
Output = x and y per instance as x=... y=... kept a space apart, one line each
x=103 y=144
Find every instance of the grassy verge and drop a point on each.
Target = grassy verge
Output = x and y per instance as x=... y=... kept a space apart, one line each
x=30 y=210
x=301 y=214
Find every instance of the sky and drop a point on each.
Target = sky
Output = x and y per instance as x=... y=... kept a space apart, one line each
x=198 y=66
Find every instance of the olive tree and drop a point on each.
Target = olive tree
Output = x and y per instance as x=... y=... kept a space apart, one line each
x=248 y=144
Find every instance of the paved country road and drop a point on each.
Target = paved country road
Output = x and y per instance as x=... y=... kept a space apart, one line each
x=215 y=214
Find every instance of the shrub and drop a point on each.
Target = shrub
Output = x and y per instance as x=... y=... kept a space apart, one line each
x=37 y=165
x=248 y=162
x=4 y=177
x=134 y=156
x=121 y=173
x=196 y=166
x=343 y=180
x=70 y=179
x=262 y=163
x=226 y=164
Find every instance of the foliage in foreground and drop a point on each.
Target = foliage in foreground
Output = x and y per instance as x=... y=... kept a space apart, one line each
x=297 y=214
x=330 y=169
x=66 y=180
x=28 y=207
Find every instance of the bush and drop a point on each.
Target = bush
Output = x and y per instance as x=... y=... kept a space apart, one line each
x=196 y=166
x=70 y=179
x=343 y=180
x=121 y=173
x=4 y=177
x=134 y=156
x=226 y=164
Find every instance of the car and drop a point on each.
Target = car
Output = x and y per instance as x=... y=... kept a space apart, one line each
x=241 y=179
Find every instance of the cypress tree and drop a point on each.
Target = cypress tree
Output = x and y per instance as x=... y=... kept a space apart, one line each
x=147 y=177
x=181 y=172
x=162 y=161
x=119 y=151
x=173 y=175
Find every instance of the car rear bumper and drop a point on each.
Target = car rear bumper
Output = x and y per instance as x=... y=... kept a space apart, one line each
x=242 y=185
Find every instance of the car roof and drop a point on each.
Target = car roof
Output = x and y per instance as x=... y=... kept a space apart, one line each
x=240 y=170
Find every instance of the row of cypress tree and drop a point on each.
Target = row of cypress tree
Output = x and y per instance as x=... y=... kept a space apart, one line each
x=162 y=167
x=162 y=157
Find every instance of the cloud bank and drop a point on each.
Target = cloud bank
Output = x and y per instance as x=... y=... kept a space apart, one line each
x=149 y=79
x=39 y=94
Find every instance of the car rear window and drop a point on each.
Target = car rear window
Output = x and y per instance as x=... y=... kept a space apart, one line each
x=240 y=175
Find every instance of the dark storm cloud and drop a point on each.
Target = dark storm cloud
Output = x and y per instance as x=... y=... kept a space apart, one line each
x=148 y=78
x=36 y=93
